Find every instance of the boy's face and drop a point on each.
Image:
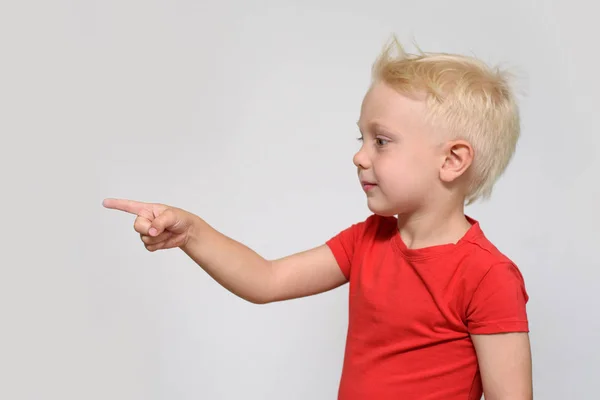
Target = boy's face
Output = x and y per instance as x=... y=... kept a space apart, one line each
x=399 y=160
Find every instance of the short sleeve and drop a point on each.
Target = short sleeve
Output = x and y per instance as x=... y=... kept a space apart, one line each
x=499 y=302
x=343 y=246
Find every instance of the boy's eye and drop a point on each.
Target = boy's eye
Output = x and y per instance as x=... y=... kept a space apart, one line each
x=381 y=142
x=378 y=141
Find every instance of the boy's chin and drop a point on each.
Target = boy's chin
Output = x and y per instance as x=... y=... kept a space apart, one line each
x=383 y=210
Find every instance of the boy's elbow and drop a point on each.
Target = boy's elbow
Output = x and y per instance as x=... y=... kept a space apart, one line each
x=258 y=297
x=263 y=293
x=258 y=300
x=259 y=288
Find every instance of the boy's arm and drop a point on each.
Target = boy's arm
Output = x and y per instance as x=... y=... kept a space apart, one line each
x=498 y=325
x=232 y=264
x=505 y=365
x=256 y=279
x=304 y=274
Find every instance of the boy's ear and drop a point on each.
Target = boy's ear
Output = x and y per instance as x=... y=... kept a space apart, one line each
x=458 y=158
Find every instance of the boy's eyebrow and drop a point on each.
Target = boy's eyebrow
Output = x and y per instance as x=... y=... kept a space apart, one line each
x=374 y=125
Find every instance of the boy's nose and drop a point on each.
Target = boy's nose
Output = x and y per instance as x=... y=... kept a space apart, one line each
x=361 y=160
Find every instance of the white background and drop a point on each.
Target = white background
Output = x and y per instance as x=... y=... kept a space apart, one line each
x=244 y=112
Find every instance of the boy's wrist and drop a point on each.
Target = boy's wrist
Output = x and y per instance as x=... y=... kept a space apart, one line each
x=195 y=231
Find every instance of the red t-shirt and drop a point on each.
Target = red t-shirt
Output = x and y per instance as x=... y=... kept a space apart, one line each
x=411 y=311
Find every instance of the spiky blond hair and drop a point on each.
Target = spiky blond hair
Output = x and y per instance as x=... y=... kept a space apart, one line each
x=466 y=98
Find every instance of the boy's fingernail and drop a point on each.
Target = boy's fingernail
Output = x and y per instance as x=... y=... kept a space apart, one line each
x=152 y=231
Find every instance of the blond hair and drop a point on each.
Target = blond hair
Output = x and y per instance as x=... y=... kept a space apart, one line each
x=470 y=100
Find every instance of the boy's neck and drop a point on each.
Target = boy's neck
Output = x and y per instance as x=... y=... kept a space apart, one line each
x=431 y=228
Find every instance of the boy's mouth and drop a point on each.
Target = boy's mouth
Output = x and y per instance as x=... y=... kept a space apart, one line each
x=366 y=185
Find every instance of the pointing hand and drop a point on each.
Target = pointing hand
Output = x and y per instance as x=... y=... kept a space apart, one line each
x=160 y=226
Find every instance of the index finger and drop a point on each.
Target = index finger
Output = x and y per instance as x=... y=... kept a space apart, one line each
x=129 y=206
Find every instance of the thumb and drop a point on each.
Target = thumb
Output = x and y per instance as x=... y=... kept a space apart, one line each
x=164 y=221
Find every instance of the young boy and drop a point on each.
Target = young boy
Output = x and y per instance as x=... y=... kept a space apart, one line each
x=435 y=310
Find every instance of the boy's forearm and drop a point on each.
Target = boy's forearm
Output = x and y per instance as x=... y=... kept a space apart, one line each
x=232 y=264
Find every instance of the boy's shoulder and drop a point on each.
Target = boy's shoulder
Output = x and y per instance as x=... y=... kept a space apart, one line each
x=480 y=255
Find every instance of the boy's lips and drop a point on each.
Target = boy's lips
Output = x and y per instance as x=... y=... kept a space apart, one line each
x=366 y=185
